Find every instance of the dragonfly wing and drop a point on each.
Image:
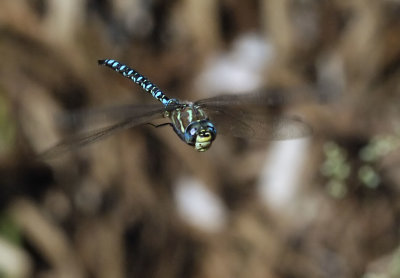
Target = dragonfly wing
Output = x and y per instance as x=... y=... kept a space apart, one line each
x=101 y=116
x=254 y=117
x=257 y=126
x=278 y=127
x=230 y=124
x=83 y=139
x=268 y=97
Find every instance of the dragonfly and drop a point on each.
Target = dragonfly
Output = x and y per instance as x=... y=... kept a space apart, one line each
x=252 y=116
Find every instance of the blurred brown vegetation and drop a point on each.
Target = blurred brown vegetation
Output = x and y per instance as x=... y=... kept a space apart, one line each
x=109 y=210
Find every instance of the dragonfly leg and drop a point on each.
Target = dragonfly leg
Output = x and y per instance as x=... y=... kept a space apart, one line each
x=160 y=125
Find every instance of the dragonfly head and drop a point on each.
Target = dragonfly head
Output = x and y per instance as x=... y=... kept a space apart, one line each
x=200 y=134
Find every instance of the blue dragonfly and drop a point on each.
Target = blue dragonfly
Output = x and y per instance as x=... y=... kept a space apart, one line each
x=252 y=116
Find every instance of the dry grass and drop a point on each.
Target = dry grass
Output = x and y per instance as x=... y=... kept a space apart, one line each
x=109 y=210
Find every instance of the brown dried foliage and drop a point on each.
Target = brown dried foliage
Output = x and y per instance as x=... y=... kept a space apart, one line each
x=109 y=210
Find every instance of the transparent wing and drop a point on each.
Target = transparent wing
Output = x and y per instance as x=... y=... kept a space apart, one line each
x=257 y=126
x=123 y=118
x=268 y=97
x=100 y=116
x=257 y=115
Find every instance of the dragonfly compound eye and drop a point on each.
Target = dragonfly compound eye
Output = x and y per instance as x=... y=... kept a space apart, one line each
x=193 y=131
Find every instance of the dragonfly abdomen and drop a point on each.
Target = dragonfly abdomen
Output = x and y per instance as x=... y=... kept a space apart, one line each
x=138 y=78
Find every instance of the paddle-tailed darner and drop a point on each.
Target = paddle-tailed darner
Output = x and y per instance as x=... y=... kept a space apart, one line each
x=255 y=115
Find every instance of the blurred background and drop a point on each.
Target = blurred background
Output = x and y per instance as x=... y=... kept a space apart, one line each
x=144 y=204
